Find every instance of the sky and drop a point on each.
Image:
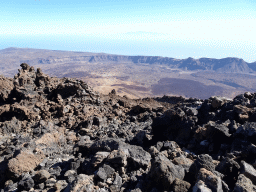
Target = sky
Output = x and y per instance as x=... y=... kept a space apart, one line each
x=169 y=28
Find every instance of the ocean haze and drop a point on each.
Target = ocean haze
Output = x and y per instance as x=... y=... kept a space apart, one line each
x=179 y=29
x=135 y=46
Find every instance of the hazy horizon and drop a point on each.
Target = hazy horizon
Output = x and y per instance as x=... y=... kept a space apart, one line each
x=178 y=29
x=125 y=54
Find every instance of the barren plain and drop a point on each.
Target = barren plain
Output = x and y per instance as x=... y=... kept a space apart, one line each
x=139 y=76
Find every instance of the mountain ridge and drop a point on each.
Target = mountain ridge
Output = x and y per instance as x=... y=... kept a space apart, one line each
x=226 y=65
x=139 y=76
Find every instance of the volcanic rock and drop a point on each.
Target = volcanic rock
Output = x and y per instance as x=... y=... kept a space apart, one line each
x=25 y=161
x=248 y=171
x=244 y=184
x=57 y=134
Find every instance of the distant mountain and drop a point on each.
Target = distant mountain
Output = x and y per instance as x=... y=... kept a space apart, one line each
x=139 y=76
x=225 y=65
x=252 y=66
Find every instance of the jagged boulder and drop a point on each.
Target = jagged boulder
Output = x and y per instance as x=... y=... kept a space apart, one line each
x=6 y=87
x=163 y=172
x=218 y=102
x=248 y=171
x=244 y=184
x=24 y=162
x=248 y=130
x=136 y=155
x=57 y=134
x=212 y=181
x=173 y=125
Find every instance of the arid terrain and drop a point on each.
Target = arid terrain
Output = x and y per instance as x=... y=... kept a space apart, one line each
x=58 y=135
x=139 y=76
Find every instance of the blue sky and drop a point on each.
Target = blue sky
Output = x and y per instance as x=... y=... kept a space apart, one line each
x=179 y=29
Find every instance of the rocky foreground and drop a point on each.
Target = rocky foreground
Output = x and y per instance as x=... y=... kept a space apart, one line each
x=59 y=135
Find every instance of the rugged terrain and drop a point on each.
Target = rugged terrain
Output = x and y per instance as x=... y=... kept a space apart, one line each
x=139 y=76
x=57 y=134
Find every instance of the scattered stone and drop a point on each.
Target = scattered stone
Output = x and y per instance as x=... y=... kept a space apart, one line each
x=26 y=184
x=60 y=185
x=180 y=185
x=70 y=175
x=99 y=157
x=201 y=187
x=41 y=176
x=203 y=161
x=244 y=184
x=212 y=181
x=57 y=134
x=218 y=101
x=248 y=171
x=24 y=162
x=50 y=183
x=105 y=172
x=164 y=172
x=82 y=183
x=184 y=162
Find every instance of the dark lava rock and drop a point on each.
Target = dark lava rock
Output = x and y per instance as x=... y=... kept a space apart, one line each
x=57 y=134
x=163 y=172
x=247 y=131
x=244 y=184
x=248 y=171
x=26 y=184
x=203 y=161
x=180 y=185
x=105 y=172
x=41 y=176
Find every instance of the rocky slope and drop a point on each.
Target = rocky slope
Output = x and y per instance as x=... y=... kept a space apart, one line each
x=59 y=135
